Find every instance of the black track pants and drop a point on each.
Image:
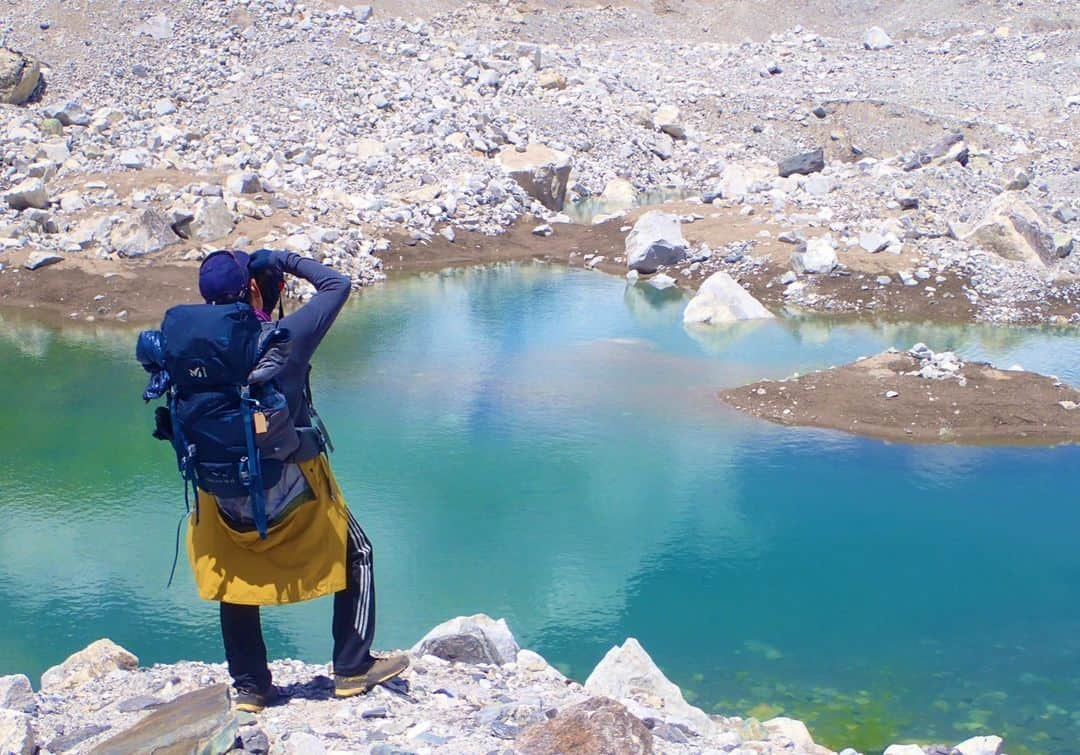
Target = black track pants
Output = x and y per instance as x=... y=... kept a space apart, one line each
x=353 y=625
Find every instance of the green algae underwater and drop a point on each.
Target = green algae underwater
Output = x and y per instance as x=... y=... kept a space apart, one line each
x=545 y=445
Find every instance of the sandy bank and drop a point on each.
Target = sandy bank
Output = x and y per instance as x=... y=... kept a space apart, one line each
x=885 y=396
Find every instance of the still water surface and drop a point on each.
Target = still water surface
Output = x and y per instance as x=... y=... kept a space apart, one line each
x=544 y=444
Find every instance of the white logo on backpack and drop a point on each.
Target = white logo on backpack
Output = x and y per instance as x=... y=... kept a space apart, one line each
x=197 y=372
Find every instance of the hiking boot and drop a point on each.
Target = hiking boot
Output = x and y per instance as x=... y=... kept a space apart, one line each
x=381 y=670
x=254 y=702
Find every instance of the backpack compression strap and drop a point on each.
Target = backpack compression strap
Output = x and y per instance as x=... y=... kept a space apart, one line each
x=254 y=468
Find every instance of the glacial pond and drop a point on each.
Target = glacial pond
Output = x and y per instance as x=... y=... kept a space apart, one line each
x=545 y=445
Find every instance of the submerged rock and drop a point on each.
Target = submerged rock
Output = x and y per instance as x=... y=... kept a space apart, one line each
x=628 y=673
x=470 y=639
x=720 y=299
x=93 y=662
x=597 y=726
x=655 y=240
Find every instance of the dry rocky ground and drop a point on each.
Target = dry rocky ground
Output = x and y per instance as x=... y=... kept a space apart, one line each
x=470 y=690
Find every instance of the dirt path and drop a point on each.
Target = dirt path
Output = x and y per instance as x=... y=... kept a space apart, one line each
x=879 y=397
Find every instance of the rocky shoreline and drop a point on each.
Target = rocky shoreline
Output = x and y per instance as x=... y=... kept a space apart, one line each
x=355 y=135
x=470 y=689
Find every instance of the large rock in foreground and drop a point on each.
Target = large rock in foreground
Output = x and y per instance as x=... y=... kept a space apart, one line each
x=93 y=662
x=655 y=240
x=628 y=673
x=720 y=299
x=470 y=639
x=19 y=77
x=16 y=735
x=198 y=722
x=597 y=726
x=213 y=220
x=1013 y=230
x=541 y=171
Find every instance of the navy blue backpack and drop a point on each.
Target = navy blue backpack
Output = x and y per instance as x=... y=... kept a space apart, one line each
x=228 y=422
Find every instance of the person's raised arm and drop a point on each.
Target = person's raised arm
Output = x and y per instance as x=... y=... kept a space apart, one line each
x=310 y=322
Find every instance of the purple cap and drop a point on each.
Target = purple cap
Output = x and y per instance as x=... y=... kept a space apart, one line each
x=223 y=277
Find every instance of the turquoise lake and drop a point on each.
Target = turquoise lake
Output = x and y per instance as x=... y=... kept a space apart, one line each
x=545 y=445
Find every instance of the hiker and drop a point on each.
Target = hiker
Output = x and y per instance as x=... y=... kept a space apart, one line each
x=288 y=536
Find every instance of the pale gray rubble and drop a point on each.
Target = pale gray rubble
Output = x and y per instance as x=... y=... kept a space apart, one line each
x=307 y=118
x=495 y=697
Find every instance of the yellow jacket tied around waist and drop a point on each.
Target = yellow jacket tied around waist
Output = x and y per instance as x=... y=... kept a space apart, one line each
x=302 y=557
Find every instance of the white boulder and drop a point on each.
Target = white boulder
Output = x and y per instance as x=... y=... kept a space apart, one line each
x=16 y=734
x=17 y=694
x=904 y=750
x=146 y=233
x=98 y=659
x=627 y=673
x=818 y=257
x=793 y=729
x=655 y=240
x=980 y=746
x=470 y=639
x=720 y=299
x=213 y=220
x=618 y=194
x=876 y=39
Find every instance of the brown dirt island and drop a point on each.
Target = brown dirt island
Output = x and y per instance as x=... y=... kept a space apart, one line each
x=919 y=396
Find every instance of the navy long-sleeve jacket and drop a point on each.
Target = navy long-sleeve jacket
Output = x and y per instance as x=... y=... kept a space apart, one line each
x=308 y=325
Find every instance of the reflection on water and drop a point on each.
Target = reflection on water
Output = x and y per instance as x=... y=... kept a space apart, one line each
x=562 y=427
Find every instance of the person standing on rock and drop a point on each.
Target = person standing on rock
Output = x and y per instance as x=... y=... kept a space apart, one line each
x=299 y=540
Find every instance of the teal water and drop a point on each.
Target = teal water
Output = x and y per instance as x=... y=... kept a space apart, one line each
x=544 y=444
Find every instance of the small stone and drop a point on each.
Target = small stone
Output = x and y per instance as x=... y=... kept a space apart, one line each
x=804 y=163
x=788 y=278
x=891 y=394
x=883 y=280
x=39 y=260
x=1064 y=243
x=137 y=703
x=543 y=230
x=243 y=182
x=876 y=39
x=254 y=740
x=1019 y=182
x=302 y=743
x=820 y=112
x=1065 y=214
